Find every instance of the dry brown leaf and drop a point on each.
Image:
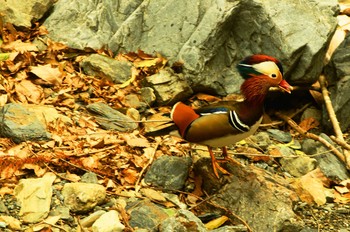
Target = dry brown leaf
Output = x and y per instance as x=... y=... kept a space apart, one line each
x=27 y=92
x=130 y=175
x=137 y=142
x=20 y=46
x=309 y=123
x=310 y=187
x=153 y=194
x=39 y=172
x=50 y=75
x=217 y=222
x=91 y=162
x=341 y=189
x=5 y=190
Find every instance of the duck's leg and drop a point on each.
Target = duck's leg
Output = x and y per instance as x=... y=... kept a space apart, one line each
x=227 y=158
x=216 y=165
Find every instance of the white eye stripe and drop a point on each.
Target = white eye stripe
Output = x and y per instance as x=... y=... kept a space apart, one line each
x=268 y=68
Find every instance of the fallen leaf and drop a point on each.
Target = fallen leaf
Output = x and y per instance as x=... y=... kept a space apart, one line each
x=153 y=194
x=310 y=187
x=5 y=190
x=309 y=123
x=27 y=92
x=51 y=76
x=130 y=175
x=20 y=46
x=213 y=224
x=341 y=189
x=39 y=172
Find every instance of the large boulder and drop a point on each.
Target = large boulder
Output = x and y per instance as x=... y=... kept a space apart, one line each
x=208 y=36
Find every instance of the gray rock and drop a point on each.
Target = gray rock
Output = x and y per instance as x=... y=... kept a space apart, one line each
x=146 y=215
x=61 y=211
x=261 y=139
x=340 y=98
x=270 y=196
x=105 y=67
x=19 y=124
x=23 y=13
x=83 y=197
x=3 y=208
x=209 y=37
x=111 y=119
x=338 y=76
x=89 y=220
x=133 y=101
x=148 y=96
x=329 y=164
x=169 y=172
x=312 y=112
x=281 y=136
x=184 y=220
x=108 y=222
x=89 y=177
x=298 y=166
x=34 y=192
x=168 y=87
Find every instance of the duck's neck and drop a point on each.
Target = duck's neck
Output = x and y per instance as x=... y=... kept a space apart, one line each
x=254 y=91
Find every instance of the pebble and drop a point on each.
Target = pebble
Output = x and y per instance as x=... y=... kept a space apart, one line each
x=108 y=222
x=169 y=172
x=83 y=197
x=281 y=136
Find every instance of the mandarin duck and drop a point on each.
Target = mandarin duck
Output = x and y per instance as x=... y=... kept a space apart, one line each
x=225 y=123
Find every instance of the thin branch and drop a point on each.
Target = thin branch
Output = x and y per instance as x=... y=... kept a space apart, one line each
x=137 y=187
x=333 y=117
x=340 y=142
x=312 y=136
x=329 y=107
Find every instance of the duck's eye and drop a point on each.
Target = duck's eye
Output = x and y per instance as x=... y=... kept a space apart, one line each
x=273 y=75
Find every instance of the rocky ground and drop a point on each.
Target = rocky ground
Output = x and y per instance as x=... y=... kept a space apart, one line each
x=81 y=150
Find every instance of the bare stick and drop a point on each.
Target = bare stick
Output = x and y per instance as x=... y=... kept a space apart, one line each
x=137 y=187
x=312 y=136
x=333 y=116
x=340 y=142
x=329 y=107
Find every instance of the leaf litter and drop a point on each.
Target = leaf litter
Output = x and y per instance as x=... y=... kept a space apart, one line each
x=53 y=77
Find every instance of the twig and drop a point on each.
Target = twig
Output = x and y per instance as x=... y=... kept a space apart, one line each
x=137 y=187
x=333 y=117
x=311 y=136
x=329 y=107
x=340 y=142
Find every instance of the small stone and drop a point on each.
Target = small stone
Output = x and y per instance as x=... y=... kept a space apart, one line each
x=3 y=208
x=34 y=192
x=21 y=125
x=10 y=222
x=184 y=220
x=107 y=67
x=89 y=220
x=111 y=119
x=169 y=172
x=148 y=96
x=298 y=166
x=281 y=136
x=262 y=139
x=83 y=197
x=168 y=87
x=89 y=177
x=145 y=214
x=133 y=101
x=62 y=211
x=108 y=222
